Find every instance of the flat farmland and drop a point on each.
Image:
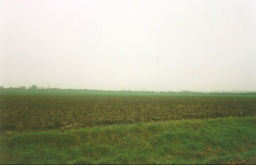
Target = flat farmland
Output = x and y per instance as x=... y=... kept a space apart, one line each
x=34 y=112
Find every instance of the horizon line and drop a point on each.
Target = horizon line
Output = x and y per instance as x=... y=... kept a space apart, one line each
x=129 y=90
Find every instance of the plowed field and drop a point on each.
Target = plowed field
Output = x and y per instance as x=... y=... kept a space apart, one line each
x=42 y=112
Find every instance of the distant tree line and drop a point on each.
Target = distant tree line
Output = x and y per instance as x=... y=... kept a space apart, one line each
x=32 y=87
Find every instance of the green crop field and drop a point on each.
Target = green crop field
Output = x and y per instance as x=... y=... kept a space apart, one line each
x=83 y=126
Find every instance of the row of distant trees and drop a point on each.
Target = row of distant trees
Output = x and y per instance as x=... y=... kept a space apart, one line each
x=23 y=87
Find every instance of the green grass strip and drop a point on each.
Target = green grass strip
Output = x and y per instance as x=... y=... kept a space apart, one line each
x=223 y=140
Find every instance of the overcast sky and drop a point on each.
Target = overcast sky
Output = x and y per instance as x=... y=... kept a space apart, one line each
x=172 y=45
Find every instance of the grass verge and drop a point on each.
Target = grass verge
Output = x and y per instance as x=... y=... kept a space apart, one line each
x=223 y=140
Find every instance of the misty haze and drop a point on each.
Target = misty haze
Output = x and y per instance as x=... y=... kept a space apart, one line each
x=129 y=45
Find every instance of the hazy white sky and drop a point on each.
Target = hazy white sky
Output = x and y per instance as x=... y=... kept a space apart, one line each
x=199 y=45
